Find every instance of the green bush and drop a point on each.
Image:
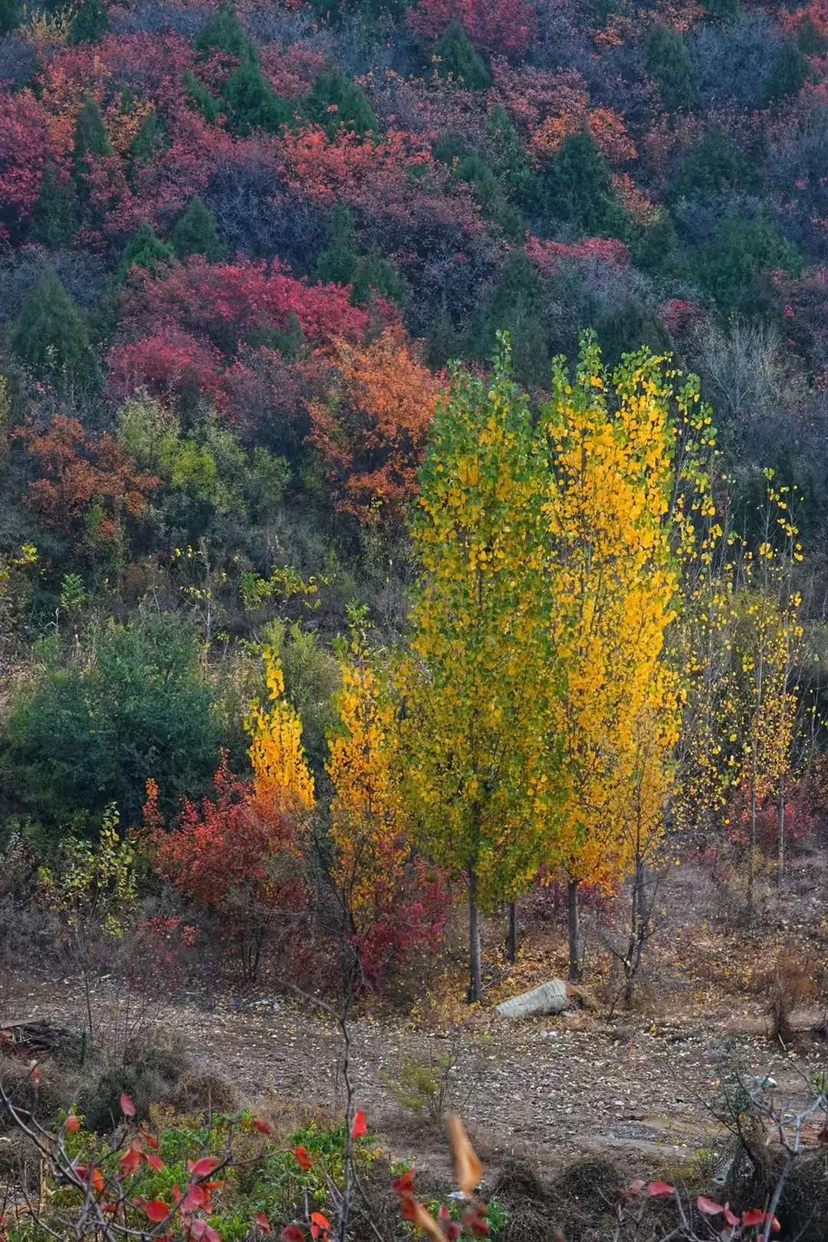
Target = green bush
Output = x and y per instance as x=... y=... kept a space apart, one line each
x=50 y=336
x=85 y=732
x=335 y=102
x=668 y=61
x=739 y=259
x=577 y=187
x=90 y=23
x=457 y=59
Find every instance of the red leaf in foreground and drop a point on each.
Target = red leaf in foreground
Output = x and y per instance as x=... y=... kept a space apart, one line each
x=261 y=1220
x=657 y=1189
x=404 y=1185
x=359 y=1127
x=292 y=1233
x=303 y=1158
x=72 y=1124
x=155 y=1162
x=262 y=1126
x=200 y=1229
x=130 y=1163
x=156 y=1210
x=320 y=1225
x=731 y=1217
x=753 y=1216
x=203 y=1167
x=195 y=1197
x=708 y=1206
x=127 y=1106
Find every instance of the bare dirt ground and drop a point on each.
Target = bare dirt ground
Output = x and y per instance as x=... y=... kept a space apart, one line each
x=636 y=1089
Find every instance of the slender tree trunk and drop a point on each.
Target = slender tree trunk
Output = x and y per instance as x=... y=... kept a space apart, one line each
x=475 y=969
x=512 y=937
x=780 y=815
x=751 y=850
x=635 y=915
x=576 y=968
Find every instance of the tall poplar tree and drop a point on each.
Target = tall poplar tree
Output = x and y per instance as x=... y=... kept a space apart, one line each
x=613 y=515
x=470 y=746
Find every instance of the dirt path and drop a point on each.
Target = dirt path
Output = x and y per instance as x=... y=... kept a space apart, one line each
x=549 y=1089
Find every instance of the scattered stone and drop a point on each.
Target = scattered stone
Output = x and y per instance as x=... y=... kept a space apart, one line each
x=551 y=997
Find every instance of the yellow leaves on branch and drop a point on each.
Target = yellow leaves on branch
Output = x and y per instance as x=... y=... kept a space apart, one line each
x=282 y=780
x=367 y=811
x=613 y=584
x=476 y=641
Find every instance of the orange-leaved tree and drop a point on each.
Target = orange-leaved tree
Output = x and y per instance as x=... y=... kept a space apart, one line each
x=372 y=428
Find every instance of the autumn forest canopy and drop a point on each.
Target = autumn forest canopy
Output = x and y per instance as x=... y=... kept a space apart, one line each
x=414 y=470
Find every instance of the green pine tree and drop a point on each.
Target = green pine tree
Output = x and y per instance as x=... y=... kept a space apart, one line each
x=508 y=158
x=739 y=260
x=195 y=232
x=207 y=104
x=714 y=167
x=458 y=59
x=91 y=140
x=56 y=212
x=668 y=61
x=337 y=102
x=10 y=16
x=90 y=23
x=337 y=264
x=224 y=33
x=578 y=188
x=624 y=328
x=515 y=307
x=252 y=103
x=50 y=337
x=790 y=73
x=148 y=140
x=444 y=341
x=146 y=250
x=375 y=277
x=658 y=251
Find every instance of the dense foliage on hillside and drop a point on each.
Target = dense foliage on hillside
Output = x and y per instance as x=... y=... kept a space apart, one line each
x=273 y=222
x=239 y=247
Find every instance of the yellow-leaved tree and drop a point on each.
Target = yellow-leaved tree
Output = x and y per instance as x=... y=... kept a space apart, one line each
x=367 y=814
x=615 y=511
x=282 y=781
x=768 y=645
x=471 y=732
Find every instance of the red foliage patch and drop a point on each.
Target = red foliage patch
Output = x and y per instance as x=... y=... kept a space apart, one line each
x=499 y=27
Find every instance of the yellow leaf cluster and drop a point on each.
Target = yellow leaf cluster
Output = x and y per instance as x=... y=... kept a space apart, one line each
x=281 y=777
x=613 y=586
x=367 y=814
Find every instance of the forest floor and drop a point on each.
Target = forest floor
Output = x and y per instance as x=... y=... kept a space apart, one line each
x=636 y=1088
